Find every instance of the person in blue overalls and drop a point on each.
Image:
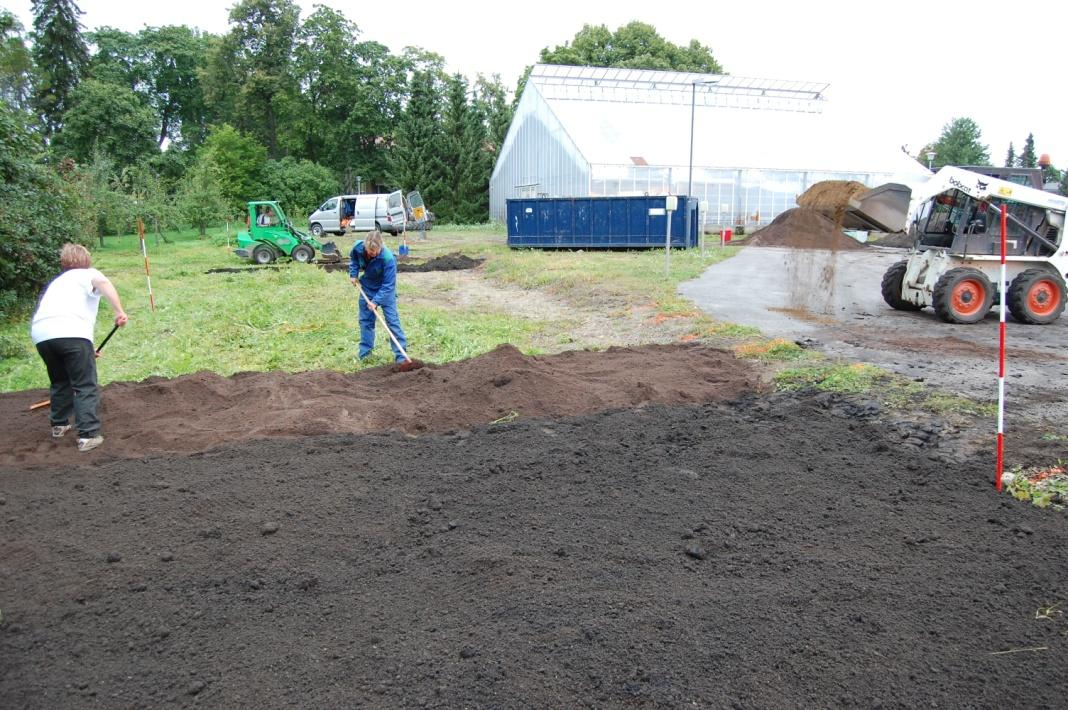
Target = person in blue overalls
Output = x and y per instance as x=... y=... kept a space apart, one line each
x=379 y=282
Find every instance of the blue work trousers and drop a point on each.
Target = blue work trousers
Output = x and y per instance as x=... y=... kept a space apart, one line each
x=367 y=327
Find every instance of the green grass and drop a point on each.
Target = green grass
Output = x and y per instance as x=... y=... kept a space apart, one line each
x=291 y=318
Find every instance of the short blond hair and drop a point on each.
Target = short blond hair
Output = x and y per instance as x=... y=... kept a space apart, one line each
x=74 y=256
x=373 y=240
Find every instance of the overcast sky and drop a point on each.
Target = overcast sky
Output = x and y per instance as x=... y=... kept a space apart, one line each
x=898 y=70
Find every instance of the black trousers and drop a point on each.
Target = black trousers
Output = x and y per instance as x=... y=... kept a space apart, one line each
x=71 y=365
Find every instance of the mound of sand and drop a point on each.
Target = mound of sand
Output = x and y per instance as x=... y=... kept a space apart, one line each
x=204 y=410
x=803 y=228
x=830 y=195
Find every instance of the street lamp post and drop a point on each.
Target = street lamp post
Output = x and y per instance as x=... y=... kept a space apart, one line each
x=693 y=114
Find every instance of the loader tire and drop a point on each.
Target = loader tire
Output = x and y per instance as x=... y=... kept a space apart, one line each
x=963 y=295
x=1037 y=297
x=263 y=254
x=893 y=280
x=302 y=253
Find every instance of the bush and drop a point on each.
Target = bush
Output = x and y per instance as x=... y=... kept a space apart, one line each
x=37 y=216
x=299 y=186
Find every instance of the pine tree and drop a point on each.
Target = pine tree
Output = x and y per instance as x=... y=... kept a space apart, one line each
x=415 y=162
x=1010 y=157
x=1027 y=157
x=474 y=168
x=60 y=53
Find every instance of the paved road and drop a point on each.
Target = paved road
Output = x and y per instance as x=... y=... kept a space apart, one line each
x=834 y=299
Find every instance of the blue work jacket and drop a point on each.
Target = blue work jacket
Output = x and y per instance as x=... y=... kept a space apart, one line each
x=379 y=274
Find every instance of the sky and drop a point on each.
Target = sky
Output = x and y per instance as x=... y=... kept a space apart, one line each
x=898 y=71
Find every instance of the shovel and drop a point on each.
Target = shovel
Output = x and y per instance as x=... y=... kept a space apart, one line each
x=100 y=347
x=409 y=364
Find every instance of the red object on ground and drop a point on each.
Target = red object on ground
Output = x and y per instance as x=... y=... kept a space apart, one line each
x=726 y=235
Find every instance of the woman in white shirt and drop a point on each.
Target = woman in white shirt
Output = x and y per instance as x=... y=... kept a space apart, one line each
x=62 y=330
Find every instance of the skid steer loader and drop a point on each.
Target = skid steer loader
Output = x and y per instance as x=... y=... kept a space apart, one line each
x=955 y=263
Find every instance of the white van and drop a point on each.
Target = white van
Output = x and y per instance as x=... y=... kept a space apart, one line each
x=359 y=213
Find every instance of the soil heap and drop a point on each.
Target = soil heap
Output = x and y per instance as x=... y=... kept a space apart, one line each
x=803 y=228
x=196 y=412
x=830 y=195
x=449 y=262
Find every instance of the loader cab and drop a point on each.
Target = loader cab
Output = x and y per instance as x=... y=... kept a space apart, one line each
x=965 y=225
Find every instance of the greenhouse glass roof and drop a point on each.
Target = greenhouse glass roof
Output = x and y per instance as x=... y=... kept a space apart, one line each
x=613 y=115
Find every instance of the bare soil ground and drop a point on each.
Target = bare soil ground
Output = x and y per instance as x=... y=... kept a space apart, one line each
x=769 y=551
x=645 y=527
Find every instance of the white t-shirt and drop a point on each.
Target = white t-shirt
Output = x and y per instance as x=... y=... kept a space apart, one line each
x=68 y=307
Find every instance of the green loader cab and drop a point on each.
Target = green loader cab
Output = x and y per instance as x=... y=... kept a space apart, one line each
x=270 y=235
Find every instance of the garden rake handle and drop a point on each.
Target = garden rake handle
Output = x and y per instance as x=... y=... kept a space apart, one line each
x=101 y=346
x=378 y=312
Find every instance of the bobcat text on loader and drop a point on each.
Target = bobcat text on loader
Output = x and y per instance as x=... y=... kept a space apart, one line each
x=955 y=263
x=270 y=235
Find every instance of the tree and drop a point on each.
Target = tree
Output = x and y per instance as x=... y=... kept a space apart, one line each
x=174 y=57
x=960 y=144
x=16 y=64
x=60 y=54
x=149 y=200
x=1027 y=157
x=101 y=196
x=239 y=162
x=299 y=185
x=1010 y=157
x=415 y=161
x=109 y=117
x=254 y=62
x=490 y=97
x=200 y=196
x=39 y=211
x=635 y=45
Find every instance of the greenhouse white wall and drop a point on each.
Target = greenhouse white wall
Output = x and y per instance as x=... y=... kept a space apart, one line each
x=755 y=143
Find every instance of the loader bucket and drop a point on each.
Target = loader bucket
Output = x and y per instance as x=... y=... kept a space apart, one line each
x=330 y=253
x=883 y=209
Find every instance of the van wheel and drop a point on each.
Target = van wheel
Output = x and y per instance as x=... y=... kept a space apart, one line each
x=378 y=226
x=317 y=229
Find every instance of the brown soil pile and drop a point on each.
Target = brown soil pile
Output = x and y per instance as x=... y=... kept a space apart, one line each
x=830 y=195
x=203 y=410
x=803 y=228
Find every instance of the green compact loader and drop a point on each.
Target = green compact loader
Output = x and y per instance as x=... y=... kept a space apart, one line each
x=270 y=235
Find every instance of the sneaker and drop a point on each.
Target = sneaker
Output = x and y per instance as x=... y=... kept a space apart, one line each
x=59 y=431
x=90 y=443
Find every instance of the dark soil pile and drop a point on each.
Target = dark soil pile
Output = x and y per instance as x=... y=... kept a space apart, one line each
x=199 y=411
x=830 y=195
x=803 y=228
x=786 y=552
x=449 y=262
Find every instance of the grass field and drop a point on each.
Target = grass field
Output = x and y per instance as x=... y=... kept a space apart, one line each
x=297 y=317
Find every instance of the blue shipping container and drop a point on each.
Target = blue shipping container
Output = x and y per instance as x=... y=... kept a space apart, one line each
x=601 y=223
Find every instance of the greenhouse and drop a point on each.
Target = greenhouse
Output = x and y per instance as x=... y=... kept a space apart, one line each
x=744 y=147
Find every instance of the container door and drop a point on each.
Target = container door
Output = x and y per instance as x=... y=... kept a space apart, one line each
x=618 y=226
x=600 y=224
x=546 y=222
x=583 y=223
x=563 y=229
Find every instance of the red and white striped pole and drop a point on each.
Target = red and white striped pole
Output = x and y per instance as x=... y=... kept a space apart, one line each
x=1001 y=350
x=144 y=253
